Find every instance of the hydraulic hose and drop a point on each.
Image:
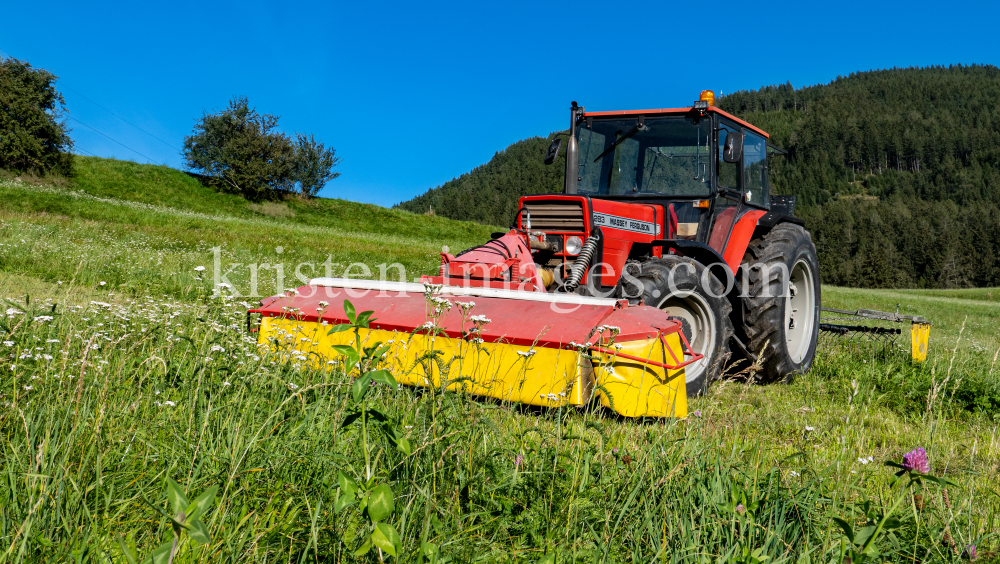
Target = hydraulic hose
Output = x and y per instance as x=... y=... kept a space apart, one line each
x=581 y=264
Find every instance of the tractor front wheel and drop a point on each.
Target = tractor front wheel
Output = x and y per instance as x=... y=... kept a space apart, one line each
x=688 y=291
x=781 y=304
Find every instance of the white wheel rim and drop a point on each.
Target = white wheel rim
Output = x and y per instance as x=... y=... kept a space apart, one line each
x=800 y=311
x=694 y=310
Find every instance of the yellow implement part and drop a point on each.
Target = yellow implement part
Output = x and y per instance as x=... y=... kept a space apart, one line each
x=532 y=375
x=920 y=335
x=635 y=389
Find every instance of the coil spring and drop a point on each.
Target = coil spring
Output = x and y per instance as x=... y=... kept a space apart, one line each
x=581 y=264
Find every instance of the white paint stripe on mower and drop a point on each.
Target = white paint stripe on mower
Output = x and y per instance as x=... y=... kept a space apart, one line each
x=418 y=288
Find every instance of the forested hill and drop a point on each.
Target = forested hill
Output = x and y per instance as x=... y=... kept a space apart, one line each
x=489 y=193
x=897 y=173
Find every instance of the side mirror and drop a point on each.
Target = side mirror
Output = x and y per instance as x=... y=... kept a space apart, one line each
x=553 y=152
x=732 y=147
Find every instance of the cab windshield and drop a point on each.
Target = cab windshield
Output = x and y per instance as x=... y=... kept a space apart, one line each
x=668 y=156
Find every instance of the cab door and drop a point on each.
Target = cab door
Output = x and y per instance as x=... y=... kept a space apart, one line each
x=728 y=204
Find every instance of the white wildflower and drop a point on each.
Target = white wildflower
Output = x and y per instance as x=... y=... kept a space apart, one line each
x=810 y=429
x=9 y=343
x=527 y=354
x=199 y=269
x=169 y=403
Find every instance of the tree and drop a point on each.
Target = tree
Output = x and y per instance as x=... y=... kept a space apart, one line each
x=32 y=137
x=313 y=165
x=241 y=149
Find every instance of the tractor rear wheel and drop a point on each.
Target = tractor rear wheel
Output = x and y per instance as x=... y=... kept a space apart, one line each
x=782 y=322
x=688 y=291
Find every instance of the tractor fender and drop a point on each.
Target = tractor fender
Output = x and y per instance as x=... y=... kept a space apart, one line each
x=740 y=237
x=770 y=219
x=698 y=251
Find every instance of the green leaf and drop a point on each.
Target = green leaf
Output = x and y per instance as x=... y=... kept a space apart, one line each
x=351 y=419
x=344 y=501
x=385 y=537
x=175 y=495
x=162 y=553
x=347 y=483
x=403 y=444
x=429 y=549
x=345 y=350
x=128 y=551
x=549 y=558
x=360 y=388
x=364 y=318
x=363 y=550
x=339 y=328
x=200 y=505
x=846 y=528
x=891 y=523
x=380 y=503
x=199 y=532
x=382 y=377
x=864 y=534
x=349 y=310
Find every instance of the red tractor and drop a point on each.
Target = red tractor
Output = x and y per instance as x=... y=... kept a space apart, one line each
x=663 y=257
x=669 y=208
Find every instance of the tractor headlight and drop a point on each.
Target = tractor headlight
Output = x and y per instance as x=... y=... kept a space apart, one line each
x=573 y=245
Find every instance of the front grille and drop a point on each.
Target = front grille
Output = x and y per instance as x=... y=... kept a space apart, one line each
x=554 y=215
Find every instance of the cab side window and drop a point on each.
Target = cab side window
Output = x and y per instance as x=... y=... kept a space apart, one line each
x=754 y=168
x=729 y=173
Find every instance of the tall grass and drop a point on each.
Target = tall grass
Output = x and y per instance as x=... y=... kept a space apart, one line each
x=109 y=390
x=103 y=403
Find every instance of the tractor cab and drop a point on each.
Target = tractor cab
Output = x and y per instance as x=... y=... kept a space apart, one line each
x=706 y=167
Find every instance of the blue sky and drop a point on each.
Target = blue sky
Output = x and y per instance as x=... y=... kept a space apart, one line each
x=414 y=94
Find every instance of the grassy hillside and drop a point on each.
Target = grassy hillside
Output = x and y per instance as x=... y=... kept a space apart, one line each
x=110 y=389
x=897 y=174
x=142 y=228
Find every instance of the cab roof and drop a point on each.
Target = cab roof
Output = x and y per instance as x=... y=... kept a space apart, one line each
x=676 y=111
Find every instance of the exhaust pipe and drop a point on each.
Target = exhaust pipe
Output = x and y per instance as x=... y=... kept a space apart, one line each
x=572 y=164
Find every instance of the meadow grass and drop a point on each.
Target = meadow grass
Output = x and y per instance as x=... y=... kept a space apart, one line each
x=108 y=390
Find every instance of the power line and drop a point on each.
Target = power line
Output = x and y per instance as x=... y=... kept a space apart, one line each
x=115 y=140
x=123 y=119
x=114 y=114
